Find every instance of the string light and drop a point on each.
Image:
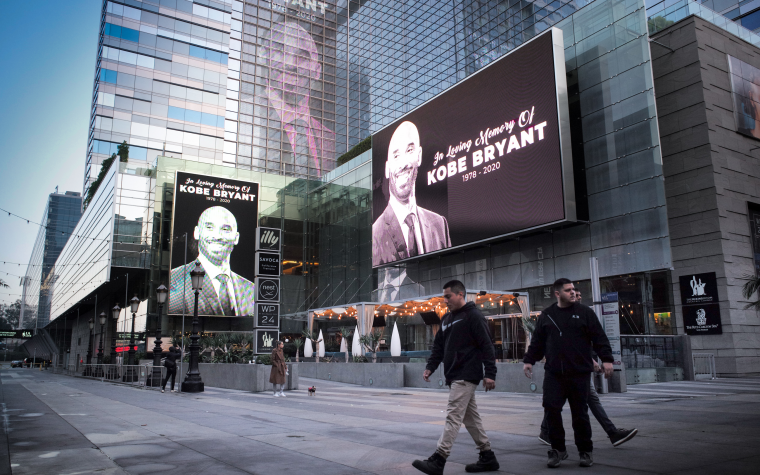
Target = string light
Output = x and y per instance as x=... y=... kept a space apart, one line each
x=28 y=221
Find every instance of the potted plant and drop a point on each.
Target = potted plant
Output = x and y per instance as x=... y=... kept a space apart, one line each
x=371 y=341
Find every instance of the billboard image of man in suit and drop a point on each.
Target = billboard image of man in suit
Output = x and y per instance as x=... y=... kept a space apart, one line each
x=223 y=293
x=404 y=229
x=294 y=69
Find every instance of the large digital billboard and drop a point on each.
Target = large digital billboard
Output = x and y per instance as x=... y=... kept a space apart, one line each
x=486 y=158
x=220 y=217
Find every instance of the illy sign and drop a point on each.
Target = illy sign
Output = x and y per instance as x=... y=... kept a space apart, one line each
x=267 y=289
x=268 y=239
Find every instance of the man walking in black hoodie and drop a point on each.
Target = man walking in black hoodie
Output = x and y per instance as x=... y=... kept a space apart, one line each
x=565 y=333
x=464 y=346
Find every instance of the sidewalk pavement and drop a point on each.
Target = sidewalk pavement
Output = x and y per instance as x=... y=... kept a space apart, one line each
x=61 y=424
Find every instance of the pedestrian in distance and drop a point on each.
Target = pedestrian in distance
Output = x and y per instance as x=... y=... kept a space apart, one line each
x=279 y=370
x=617 y=436
x=565 y=334
x=170 y=363
x=464 y=346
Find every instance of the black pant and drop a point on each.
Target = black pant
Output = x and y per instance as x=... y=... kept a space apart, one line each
x=573 y=388
x=170 y=371
x=595 y=405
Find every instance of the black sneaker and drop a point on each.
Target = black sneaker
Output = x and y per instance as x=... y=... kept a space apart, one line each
x=486 y=463
x=555 y=457
x=621 y=436
x=544 y=438
x=586 y=459
x=432 y=466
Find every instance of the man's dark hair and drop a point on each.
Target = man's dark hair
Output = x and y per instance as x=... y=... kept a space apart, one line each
x=456 y=286
x=561 y=282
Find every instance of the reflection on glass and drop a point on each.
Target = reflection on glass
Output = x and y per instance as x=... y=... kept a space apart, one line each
x=294 y=70
x=745 y=85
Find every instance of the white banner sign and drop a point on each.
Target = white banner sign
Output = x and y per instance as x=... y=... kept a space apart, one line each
x=611 y=320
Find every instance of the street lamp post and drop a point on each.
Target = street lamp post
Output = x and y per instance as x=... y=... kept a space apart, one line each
x=102 y=318
x=193 y=382
x=161 y=293
x=130 y=374
x=89 y=349
x=115 y=312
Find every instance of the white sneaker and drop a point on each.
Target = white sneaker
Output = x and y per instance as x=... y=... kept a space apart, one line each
x=162 y=390
x=172 y=390
x=276 y=394
x=282 y=394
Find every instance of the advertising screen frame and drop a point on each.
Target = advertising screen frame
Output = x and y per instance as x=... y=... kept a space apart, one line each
x=565 y=146
x=172 y=236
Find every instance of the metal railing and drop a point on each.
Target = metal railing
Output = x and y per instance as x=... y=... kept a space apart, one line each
x=704 y=365
x=142 y=376
x=650 y=351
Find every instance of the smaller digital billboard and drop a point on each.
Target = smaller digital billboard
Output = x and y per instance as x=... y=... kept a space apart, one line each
x=220 y=216
x=488 y=157
x=745 y=89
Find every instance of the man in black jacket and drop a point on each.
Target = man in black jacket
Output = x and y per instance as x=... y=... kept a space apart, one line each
x=171 y=366
x=464 y=346
x=565 y=333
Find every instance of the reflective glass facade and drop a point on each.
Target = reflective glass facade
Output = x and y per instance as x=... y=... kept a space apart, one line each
x=84 y=264
x=61 y=215
x=744 y=13
x=161 y=82
x=273 y=91
x=616 y=152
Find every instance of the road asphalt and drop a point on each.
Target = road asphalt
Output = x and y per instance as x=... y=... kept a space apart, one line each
x=57 y=424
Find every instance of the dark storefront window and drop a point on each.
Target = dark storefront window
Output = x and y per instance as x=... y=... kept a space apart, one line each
x=646 y=301
x=754 y=226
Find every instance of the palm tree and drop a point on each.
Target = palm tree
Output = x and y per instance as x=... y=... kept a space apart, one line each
x=3 y=284
x=371 y=342
x=749 y=289
x=297 y=342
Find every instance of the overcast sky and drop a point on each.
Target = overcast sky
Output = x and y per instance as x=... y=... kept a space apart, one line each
x=47 y=66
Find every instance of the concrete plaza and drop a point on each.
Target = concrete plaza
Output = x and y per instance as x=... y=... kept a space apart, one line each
x=61 y=424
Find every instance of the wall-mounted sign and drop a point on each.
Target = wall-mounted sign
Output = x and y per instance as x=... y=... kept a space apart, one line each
x=265 y=341
x=127 y=335
x=267 y=289
x=698 y=289
x=268 y=264
x=267 y=315
x=17 y=334
x=268 y=239
x=702 y=319
x=611 y=322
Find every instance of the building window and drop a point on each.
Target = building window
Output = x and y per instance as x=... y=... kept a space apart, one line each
x=754 y=226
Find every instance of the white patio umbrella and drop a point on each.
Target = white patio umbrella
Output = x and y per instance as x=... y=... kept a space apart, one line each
x=321 y=349
x=395 y=341
x=356 y=348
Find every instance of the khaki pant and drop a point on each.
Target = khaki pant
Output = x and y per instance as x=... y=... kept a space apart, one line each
x=462 y=409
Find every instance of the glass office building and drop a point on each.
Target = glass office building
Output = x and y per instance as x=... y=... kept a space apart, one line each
x=61 y=215
x=281 y=89
x=275 y=92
